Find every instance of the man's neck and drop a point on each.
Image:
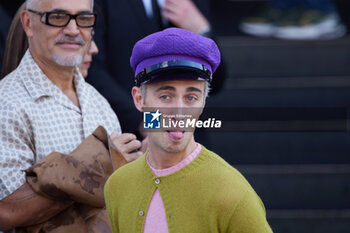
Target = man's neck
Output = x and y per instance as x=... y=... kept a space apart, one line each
x=160 y=159
x=61 y=76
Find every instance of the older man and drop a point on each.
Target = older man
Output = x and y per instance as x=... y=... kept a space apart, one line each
x=179 y=185
x=46 y=106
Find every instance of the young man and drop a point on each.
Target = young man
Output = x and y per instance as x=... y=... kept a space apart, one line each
x=179 y=185
x=46 y=106
x=110 y=72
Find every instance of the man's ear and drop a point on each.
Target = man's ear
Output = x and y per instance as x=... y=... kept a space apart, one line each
x=27 y=23
x=137 y=96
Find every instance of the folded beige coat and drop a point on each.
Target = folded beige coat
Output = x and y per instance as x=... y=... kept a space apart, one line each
x=77 y=218
x=79 y=176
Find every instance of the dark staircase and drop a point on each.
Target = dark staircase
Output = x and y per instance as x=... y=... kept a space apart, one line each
x=285 y=108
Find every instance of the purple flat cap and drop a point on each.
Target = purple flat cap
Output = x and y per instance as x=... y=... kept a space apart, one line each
x=174 y=50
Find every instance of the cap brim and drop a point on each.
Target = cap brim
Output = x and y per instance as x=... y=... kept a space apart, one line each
x=172 y=70
x=176 y=74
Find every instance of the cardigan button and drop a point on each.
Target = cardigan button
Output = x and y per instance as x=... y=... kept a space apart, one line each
x=157 y=181
x=141 y=213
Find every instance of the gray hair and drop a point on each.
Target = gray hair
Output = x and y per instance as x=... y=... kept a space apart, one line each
x=207 y=89
x=30 y=4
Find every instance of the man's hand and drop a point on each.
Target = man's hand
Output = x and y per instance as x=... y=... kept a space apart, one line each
x=127 y=145
x=24 y=207
x=185 y=14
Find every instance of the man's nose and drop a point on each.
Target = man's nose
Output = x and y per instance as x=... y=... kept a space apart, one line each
x=72 y=28
x=179 y=106
x=179 y=103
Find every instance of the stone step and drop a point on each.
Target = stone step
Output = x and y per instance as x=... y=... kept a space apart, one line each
x=255 y=57
x=281 y=147
x=290 y=82
x=301 y=186
x=281 y=97
x=226 y=14
x=309 y=221
x=281 y=125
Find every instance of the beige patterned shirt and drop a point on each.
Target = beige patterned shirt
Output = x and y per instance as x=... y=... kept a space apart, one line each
x=37 y=118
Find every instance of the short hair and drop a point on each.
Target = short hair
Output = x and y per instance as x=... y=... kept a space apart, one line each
x=33 y=4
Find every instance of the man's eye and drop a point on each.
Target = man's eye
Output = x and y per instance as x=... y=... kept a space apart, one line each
x=57 y=17
x=164 y=97
x=192 y=98
x=85 y=17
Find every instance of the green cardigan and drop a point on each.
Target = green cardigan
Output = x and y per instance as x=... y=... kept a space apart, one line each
x=207 y=195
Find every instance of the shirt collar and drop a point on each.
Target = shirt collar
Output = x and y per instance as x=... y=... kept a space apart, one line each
x=81 y=88
x=37 y=83
x=178 y=166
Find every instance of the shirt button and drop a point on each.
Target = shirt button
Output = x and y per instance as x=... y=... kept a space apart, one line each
x=141 y=213
x=157 y=181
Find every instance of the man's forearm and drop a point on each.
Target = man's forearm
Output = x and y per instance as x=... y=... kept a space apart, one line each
x=24 y=207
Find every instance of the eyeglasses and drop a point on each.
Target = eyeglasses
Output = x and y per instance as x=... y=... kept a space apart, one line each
x=59 y=19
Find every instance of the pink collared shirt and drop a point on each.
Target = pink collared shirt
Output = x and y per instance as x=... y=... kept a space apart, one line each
x=155 y=221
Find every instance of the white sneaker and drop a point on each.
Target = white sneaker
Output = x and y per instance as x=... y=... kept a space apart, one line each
x=263 y=24
x=258 y=29
x=313 y=27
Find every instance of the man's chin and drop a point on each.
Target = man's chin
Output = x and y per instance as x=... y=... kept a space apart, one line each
x=71 y=61
x=177 y=141
x=175 y=149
